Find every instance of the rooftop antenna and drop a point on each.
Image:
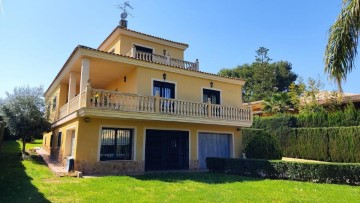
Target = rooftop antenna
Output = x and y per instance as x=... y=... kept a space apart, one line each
x=124 y=14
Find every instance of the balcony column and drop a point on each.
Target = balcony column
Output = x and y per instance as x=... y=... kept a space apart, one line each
x=72 y=86
x=168 y=61
x=133 y=51
x=157 y=102
x=209 y=108
x=85 y=73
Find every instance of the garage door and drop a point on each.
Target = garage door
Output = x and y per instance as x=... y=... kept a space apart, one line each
x=213 y=145
x=166 y=150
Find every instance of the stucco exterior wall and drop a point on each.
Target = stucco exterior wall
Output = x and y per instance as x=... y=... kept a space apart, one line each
x=127 y=43
x=87 y=154
x=130 y=86
x=189 y=88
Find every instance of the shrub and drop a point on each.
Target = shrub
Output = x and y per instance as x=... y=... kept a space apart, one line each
x=248 y=134
x=337 y=144
x=314 y=172
x=263 y=146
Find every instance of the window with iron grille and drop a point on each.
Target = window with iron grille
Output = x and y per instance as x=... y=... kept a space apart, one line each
x=116 y=144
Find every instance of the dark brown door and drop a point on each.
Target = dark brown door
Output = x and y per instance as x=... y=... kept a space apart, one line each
x=166 y=150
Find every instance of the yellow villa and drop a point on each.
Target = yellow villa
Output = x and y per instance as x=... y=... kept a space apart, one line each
x=134 y=105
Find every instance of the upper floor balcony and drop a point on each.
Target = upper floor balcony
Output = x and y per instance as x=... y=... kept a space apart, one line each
x=163 y=59
x=104 y=103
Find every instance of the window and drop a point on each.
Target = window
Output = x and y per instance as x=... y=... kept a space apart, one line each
x=214 y=96
x=59 y=139
x=54 y=103
x=166 y=90
x=116 y=144
x=143 y=49
x=51 y=140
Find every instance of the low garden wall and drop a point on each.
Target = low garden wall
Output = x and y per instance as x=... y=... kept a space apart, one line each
x=314 y=172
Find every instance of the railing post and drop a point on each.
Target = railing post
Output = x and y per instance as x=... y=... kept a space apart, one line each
x=88 y=94
x=67 y=108
x=133 y=51
x=251 y=114
x=157 y=102
x=209 y=108
x=168 y=59
x=197 y=64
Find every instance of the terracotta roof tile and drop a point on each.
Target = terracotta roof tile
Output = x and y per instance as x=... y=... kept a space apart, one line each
x=118 y=27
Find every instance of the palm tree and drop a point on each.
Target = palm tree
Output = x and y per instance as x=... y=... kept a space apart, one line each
x=277 y=103
x=341 y=48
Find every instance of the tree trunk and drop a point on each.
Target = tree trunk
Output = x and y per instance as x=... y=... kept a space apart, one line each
x=23 y=144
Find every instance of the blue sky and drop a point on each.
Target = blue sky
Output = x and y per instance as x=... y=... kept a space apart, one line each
x=36 y=37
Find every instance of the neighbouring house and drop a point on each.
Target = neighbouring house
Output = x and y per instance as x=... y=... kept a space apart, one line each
x=326 y=99
x=133 y=105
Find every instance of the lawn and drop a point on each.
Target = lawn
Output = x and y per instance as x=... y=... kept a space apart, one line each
x=31 y=181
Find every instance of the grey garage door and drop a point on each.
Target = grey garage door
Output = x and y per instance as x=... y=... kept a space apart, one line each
x=213 y=145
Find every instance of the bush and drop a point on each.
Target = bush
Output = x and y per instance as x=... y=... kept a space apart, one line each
x=350 y=116
x=263 y=146
x=248 y=134
x=314 y=172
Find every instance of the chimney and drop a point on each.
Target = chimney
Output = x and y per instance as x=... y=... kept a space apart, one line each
x=123 y=23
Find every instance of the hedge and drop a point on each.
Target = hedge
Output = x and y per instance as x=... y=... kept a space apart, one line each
x=350 y=116
x=337 y=144
x=313 y=172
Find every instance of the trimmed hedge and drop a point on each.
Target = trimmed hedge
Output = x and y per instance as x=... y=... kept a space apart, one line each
x=350 y=116
x=313 y=172
x=263 y=146
x=337 y=144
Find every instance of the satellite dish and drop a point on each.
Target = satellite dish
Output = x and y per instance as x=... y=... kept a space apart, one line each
x=124 y=15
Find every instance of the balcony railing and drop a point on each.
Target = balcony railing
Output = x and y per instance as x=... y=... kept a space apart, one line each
x=111 y=100
x=164 y=60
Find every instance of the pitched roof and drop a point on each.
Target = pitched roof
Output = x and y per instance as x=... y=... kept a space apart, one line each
x=118 y=27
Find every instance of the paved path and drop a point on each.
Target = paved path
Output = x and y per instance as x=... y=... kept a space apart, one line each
x=54 y=167
x=302 y=160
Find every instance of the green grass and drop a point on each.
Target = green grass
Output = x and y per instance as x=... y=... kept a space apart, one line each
x=31 y=181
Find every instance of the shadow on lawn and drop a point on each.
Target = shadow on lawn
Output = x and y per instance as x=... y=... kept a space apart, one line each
x=15 y=184
x=202 y=177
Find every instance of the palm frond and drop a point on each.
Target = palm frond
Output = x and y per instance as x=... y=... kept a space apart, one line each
x=341 y=48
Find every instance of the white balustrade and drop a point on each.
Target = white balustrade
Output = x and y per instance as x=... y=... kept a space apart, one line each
x=103 y=99
x=121 y=101
x=164 y=60
x=63 y=111
x=184 y=64
x=230 y=113
x=74 y=104
x=83 y=99
x=183 y=108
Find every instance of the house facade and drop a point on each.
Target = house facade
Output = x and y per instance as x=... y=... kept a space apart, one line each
x=134 y=105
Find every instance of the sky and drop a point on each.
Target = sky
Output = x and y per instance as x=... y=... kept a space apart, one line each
x=37 y=37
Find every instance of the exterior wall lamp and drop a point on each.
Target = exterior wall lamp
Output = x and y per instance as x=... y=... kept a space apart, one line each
x=125 y=78
x=87 y=119
x=164 y=76
x=211 y=84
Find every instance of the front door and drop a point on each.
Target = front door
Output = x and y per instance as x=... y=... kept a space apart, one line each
x=166 y=150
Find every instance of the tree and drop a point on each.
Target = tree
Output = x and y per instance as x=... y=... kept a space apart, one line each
x=277 y=103
x=262 y=77
x=341 y=48
x=24 y=112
